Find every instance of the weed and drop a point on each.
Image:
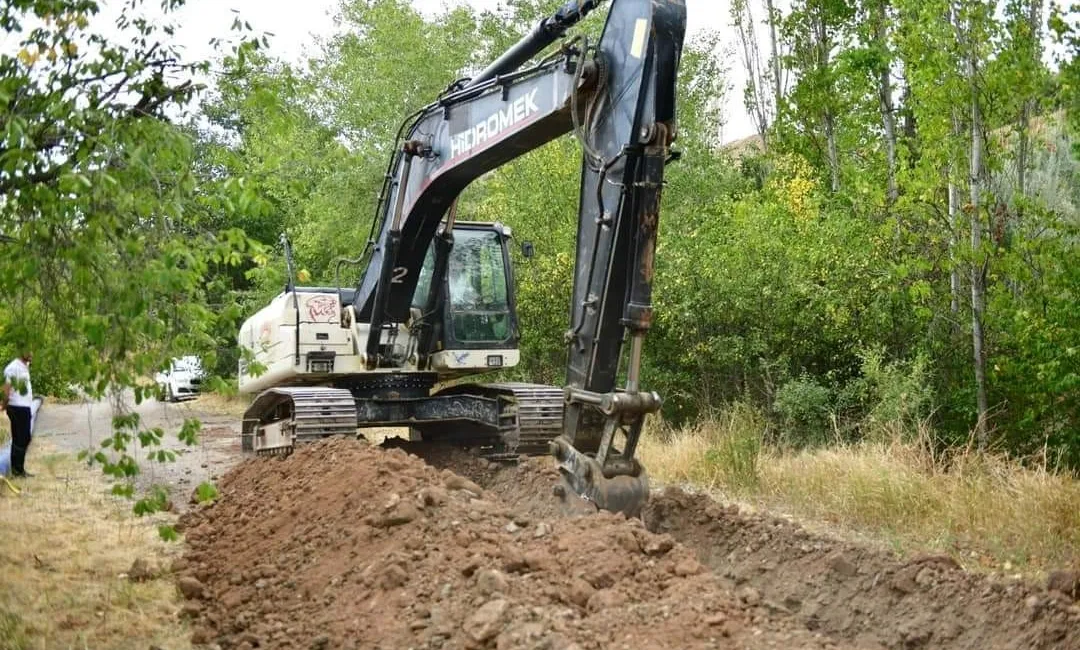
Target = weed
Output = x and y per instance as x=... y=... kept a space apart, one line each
x=721 y=451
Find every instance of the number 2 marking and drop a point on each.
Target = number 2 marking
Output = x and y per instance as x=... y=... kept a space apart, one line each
x=399 y=275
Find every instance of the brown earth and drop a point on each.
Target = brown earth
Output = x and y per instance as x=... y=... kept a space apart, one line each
x=848 y=592
x=342 y=545
x=863 y=595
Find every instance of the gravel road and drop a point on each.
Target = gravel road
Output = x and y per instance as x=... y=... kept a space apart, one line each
x=73 y=427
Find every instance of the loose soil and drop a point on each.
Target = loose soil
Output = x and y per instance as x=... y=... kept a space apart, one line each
x=863 y=595
x=848 y=592
x=345 y=545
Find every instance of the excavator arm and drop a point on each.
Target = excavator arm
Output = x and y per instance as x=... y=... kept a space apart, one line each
x=619 y=97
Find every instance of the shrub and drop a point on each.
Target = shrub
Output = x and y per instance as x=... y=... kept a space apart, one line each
x=895 y=397
x=804 y=407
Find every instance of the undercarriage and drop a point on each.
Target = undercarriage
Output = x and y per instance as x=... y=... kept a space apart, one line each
x=499 y=421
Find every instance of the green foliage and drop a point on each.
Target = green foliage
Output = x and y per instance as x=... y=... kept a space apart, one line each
x=206 y=492
x=108 y=265
x=733 y=455
x=1065 y=28
x=804 y=407
x=792 y=279
x=891 y=396
x=155 y=502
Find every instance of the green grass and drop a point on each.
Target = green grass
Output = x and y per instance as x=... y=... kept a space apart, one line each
x=12 y=632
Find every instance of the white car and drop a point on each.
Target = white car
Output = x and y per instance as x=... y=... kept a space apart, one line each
x=183 y=379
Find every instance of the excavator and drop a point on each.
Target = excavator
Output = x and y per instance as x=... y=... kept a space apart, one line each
x=434 y=305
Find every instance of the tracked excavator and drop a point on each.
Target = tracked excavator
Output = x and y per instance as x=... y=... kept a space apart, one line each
x=435 y=304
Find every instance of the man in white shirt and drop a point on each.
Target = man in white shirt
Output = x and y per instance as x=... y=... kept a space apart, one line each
x=18 y=400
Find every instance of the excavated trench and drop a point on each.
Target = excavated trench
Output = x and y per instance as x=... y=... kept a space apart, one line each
x=847 y=592
x=342 y=545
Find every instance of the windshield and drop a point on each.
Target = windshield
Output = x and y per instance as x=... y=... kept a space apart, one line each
x=186 y=364
x=479 y=304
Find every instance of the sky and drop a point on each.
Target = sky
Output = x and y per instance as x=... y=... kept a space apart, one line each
x=296 y=25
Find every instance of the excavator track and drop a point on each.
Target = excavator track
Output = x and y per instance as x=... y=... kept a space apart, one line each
x=529 y=418
x=282 y=417
x=538 y=417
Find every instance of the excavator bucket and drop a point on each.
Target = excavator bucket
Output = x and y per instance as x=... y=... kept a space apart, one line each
x=624 y=493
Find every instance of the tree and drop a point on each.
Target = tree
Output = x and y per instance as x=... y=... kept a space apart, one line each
x=972 y=33
x=821 y=270
x=759 y=97
x=813 y=27
x=101 y=207
x=881 y=62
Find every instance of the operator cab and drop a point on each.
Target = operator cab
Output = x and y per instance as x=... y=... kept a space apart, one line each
x=478 y=310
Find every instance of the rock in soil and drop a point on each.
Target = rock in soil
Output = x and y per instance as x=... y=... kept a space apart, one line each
x=141 y=571
x=190 y=587
x=1065 y=582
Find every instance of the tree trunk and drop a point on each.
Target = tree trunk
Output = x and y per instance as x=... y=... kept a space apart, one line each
x=908 y=126
x=776 y=69
x=758 y=103
x=978 y=275
x=954 y=225
x=829 y=122
x=828 y=118
x=1028 y=109
x=888 y=119
x=1022 y=154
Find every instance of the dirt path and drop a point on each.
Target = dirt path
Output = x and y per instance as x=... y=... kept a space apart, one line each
x=71 y=428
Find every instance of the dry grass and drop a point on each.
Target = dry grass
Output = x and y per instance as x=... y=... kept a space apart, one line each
x=65 y=545
x=987 y=512
x=220 y=404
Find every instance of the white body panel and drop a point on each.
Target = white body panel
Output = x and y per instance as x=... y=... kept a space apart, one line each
x=272 y=436
x=270 y=336
x=472 y=360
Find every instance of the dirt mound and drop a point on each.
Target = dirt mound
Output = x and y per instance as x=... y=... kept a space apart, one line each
x=526 y=485
x=342 y=545
x=860 y=595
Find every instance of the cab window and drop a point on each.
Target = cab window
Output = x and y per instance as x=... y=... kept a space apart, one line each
x=479 y=305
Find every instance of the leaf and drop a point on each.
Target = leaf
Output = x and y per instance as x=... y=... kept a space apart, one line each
x=168 y=533
x=206 y=492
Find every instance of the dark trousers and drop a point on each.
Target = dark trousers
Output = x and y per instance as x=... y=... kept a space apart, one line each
x=20 y=437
